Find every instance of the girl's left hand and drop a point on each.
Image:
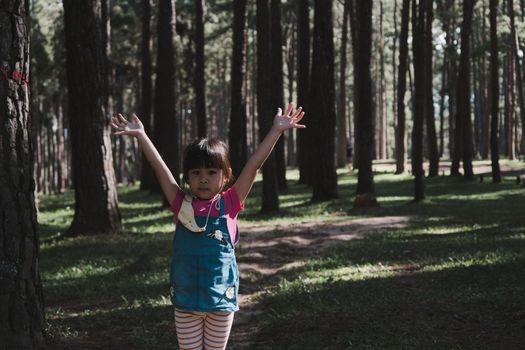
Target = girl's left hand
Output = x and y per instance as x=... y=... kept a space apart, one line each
x=288 y=120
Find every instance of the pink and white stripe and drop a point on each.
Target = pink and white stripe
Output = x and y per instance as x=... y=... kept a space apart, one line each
x=203 y=330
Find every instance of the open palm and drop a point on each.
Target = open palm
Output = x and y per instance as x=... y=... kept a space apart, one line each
x=288 y=120
x=124 y=127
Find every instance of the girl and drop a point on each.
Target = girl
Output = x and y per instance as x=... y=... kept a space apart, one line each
x=204 y=276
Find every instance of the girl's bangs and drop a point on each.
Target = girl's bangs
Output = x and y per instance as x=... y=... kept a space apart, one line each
x=203 y=158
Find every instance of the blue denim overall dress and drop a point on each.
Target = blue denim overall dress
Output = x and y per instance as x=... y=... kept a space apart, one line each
x=204 y=275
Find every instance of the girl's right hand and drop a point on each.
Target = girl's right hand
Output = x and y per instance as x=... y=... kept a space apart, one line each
x=125 y=127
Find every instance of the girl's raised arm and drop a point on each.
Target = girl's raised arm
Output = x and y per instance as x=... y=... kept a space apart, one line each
x=135 y=128
x=281 y=122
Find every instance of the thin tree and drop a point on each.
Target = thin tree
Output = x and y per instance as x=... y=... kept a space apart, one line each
x=322 y=104
x=418 y=47
x=265 y=110
x=21 y=301
x=361 y=28
x=341 y=110
x=303 y=83
x=146 y=91
x=464 y=146
x=433 y=154
x=517 y=69
x=444 y=75
x=452 y=60
x=237 y=135
x=400 y=131
x=200 y=84
x=380 y=101
x=165 y=126
x=494 y=86
x=96 y=208
x=276 y=47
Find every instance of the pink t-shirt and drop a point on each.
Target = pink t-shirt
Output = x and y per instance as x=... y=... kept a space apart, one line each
x=232 y=207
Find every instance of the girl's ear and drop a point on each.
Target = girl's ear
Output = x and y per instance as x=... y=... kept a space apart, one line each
x=228 y=175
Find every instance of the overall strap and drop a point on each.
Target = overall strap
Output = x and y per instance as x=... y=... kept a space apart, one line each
x=221 y=206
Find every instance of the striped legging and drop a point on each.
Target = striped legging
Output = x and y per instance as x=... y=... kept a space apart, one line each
x=197 y=329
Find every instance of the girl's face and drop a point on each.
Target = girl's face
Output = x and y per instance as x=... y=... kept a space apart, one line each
x=206 y=183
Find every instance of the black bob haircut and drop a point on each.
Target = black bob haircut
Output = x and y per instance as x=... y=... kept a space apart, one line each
x=206 y=153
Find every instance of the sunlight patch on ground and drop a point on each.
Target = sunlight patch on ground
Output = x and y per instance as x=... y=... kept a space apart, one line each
x=487 y=259
x=83 y=270
x=371 y=271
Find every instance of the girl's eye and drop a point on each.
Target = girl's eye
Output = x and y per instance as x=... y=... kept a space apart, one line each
x=212 y=172
x=195 y=172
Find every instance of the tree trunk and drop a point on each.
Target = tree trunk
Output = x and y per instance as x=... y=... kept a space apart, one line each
x=519 y=81
x=303 y=82
x=394 y=73
x=361 y=26
x=322 y=106
x=237 y=136
x=96 y=208
x=381 y=92
x=433 y=154
x=200 y=84
x=451 y=52
x=418 y=30
x=401 y=134
x=165 y=102
x=61 y=159
x=146 y=97
x=276 y=47
x=291 y=38
x=463 y=108
x=342 y=141
x=485 y=123
x=265 y=111
x=21 y=300
x=494 y=87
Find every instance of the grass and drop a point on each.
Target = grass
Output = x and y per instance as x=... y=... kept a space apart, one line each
x=453 y=278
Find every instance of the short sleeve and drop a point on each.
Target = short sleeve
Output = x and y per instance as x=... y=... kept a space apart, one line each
x=232 y=204
x=177 y=202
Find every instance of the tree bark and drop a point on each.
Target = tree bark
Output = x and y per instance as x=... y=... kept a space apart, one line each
x=21 y=300
x=237 y=135
x=303 y=82
x=381 y=92
x=400 y=132
x=265 y=111
x=433 y=154
x=322 y=106
x=165 y=102
x=342 y=140
x=494 y=87
x=418 y=30
x=463 y=100
x=96 y=204
x=361 y=26
x=276 y=47
x=146 y=91
x=200 y=84
x=519 y=81
x=449 y=16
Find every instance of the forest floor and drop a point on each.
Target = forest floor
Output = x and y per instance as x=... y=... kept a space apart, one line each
x=267 y=251
x=445 y=273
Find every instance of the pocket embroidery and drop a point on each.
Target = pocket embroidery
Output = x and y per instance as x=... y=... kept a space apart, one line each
x=218 y=235
x=230 y=292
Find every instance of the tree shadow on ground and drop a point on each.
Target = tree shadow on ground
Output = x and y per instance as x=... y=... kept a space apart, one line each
x=474 y=307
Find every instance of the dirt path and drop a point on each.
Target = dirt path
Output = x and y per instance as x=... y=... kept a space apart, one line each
x=266 y=251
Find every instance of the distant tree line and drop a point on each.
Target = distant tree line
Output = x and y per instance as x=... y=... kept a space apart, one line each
x=419 y=87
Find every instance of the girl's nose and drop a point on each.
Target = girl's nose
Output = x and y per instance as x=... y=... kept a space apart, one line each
x=204 y=181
